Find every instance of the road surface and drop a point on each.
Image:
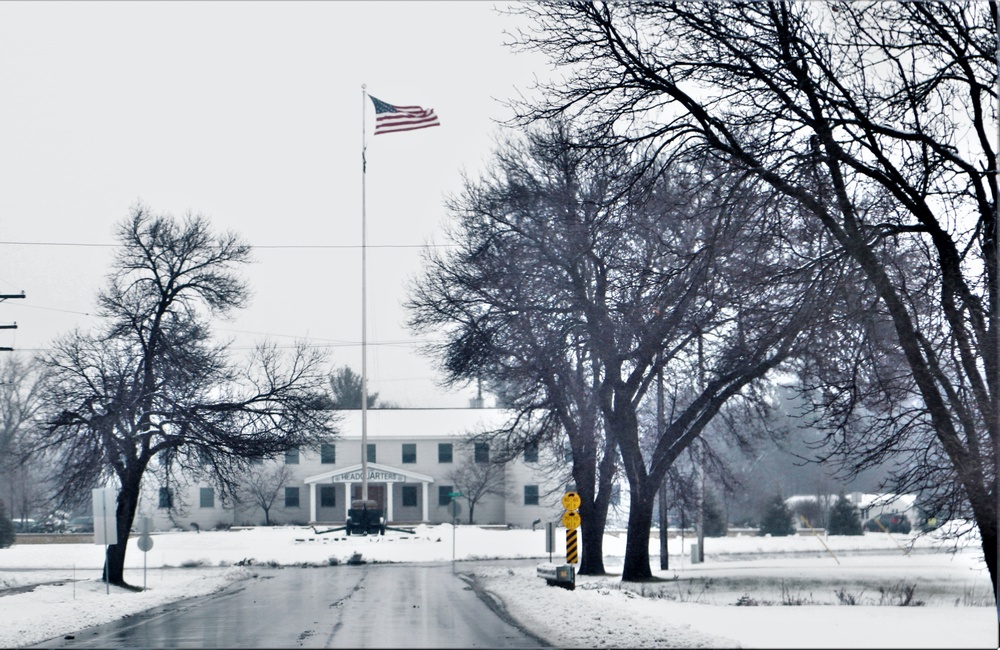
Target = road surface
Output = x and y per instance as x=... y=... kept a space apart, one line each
x=364 y=606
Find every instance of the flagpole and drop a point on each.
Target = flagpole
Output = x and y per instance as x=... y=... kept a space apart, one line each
x=364 y=306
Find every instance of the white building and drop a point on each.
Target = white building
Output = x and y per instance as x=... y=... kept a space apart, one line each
x=411 y=454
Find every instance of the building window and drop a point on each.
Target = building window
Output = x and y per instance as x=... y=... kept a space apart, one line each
x=328 y=453
x=327 y=496
x=166 y=498
x=371 y=452
x=291 y=497
x=531 y=495
x=409 y=452
x=409 y=496
x=444 y=452
x=482 y=452
x=531 y=453
x=207 y=497
x=292 y=456
x=444 y=495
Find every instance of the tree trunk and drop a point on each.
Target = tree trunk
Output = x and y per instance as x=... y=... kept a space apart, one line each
x=593 y=484
x=593 y=518
x=664 y=526
x=640 y=519
x=984 y=510
x=128 y=501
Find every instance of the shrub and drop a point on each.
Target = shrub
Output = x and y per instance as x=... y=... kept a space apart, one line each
x=777 y=518
x=7 y=534
x=844 y=518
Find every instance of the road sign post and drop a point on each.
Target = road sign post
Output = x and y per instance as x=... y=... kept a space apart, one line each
x=564 y=575
x=145 y=543
x=454 y=524
x=105 y=524
x=571 y=520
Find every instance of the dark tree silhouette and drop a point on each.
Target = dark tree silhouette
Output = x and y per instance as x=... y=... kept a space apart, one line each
x=149 y=392
x=577 y=262
x=776 y=520
x=345 y=385
x=844 y=518
x=878 y=120
x=507 y=314
x=7 y=533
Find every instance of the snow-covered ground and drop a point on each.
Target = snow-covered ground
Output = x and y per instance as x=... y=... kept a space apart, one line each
x=789 y=592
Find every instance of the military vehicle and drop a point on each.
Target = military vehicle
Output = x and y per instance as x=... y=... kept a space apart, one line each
x=364 y=517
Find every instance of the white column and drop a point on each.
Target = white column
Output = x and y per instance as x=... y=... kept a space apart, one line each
x=347 y=498
x=388 y=501
x=426 y=511
x=312 y=503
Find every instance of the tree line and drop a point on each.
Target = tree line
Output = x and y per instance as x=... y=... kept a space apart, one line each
x=723 y=192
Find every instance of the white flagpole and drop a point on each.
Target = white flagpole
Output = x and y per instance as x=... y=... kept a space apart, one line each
x=364 y=305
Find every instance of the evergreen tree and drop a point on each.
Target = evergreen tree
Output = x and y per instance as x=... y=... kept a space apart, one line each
x=7 y=534
x=844 y=518
x=346 y=387
x=714 y=518
x=777 y=518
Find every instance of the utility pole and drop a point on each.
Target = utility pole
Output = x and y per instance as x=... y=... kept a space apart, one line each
x=700 y=459
x=664 y=556
x=13 y=326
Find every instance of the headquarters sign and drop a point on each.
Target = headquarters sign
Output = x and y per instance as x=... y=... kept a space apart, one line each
x=374 y=475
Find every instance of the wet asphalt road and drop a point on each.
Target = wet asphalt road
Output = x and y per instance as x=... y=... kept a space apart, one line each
x=366 y=606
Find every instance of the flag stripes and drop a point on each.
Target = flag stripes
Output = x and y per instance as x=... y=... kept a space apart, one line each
x=390 y=118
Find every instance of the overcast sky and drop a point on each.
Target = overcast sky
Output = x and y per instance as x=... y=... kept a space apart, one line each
x=251 y=114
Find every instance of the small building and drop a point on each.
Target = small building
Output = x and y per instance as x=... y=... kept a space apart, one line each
x=869 y=505
x=411 y=456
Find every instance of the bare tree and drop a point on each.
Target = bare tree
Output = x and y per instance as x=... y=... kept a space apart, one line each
x=878 y=120
x=581 y=263
x=150 y=391
x=261 y=486
x=20 y=401
x=497 y=301
x=478 y=480
x=28 y=491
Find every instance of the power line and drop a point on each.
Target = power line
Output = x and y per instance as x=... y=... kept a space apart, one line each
x=66 y=311
x=263 y=246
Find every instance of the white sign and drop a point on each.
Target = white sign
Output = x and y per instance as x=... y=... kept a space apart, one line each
x=105 y=521
x=144 y=542
x=373 y=475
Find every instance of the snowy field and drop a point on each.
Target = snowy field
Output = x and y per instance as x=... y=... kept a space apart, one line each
x=855 y=592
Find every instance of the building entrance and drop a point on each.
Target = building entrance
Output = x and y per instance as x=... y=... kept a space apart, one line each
x=375 y=492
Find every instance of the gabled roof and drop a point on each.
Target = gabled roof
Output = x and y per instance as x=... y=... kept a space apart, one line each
x=374 y=470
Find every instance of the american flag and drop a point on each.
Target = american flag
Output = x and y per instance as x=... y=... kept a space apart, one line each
x=389 y=118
